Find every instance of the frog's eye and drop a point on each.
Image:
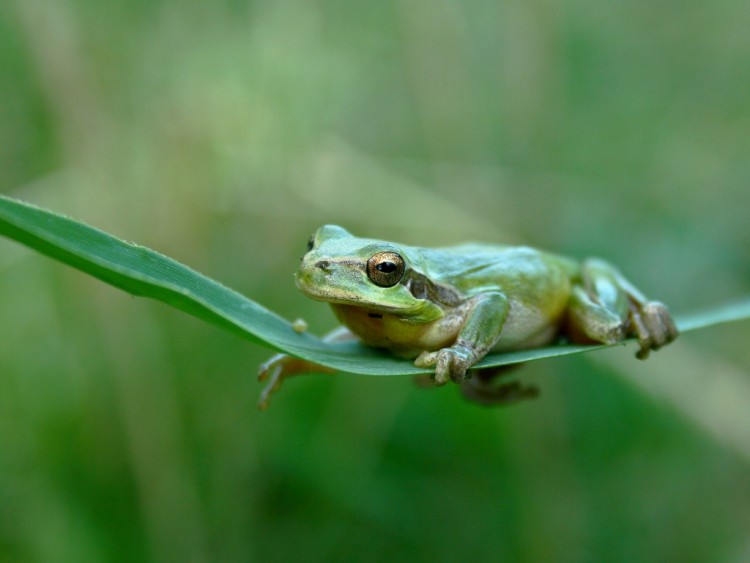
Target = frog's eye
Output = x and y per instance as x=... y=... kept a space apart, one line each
x=310 y=243
x=385 y=269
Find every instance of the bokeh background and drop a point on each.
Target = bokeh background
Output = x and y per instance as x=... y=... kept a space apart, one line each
x=223 y=133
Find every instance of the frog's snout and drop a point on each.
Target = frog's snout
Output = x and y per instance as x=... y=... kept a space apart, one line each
x=313 y=275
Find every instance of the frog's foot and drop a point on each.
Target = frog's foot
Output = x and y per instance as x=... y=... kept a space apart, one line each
x=273 y=372
x=279 y=368
x=484 y=392
x=606 y=308
x=653 y=326
x=450 y=363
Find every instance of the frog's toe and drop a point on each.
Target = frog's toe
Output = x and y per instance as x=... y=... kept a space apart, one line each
x=426 y=359
x=443 y=366
x=265 y=370
x=450 y=363
x=272 y=371
x=654 y=328
x=660 y=323
x=275 y=376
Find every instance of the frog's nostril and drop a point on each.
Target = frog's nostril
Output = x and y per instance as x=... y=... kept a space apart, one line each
x=324 y=265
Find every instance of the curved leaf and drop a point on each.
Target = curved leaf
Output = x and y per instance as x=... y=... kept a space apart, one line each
x=144 y=272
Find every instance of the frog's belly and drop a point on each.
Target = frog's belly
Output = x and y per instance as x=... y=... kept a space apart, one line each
x=403 y=338
x=529 y=327
x=525 y=327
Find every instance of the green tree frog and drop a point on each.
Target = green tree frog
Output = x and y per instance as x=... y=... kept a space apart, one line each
x=446 y=308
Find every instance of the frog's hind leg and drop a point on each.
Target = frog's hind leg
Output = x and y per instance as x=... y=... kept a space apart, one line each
x=606 y=307
x=281 y=367
x=483 y=388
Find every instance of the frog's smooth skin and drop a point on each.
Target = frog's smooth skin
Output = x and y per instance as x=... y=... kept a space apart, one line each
x=448 y=307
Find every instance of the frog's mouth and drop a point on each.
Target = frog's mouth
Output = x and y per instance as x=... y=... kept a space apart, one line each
x=337 y=296
x=319 y=290
x=322 y=293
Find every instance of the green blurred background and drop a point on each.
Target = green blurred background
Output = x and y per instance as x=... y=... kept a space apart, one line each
x=223 y=133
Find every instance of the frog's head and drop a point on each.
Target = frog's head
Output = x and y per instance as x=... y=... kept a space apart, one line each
x=340 y=268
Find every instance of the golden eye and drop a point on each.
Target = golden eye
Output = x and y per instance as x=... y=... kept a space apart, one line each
x=385 y=269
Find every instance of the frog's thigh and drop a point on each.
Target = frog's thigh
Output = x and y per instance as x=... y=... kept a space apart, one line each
x=604 y=292
x=599 y=305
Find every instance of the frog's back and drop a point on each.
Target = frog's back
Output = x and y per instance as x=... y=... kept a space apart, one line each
x=536 y=284
x=476 y=266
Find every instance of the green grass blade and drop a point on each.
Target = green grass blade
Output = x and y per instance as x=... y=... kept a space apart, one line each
x=731 y=312
x=146 y=273
x=143 y=272
x=736 y=311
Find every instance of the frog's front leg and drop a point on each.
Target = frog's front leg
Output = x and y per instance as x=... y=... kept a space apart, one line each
x=479 y=333
x=606 y=307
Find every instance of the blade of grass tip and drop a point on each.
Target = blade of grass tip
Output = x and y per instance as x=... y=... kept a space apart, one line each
x=731 y=312
x=143 y=272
